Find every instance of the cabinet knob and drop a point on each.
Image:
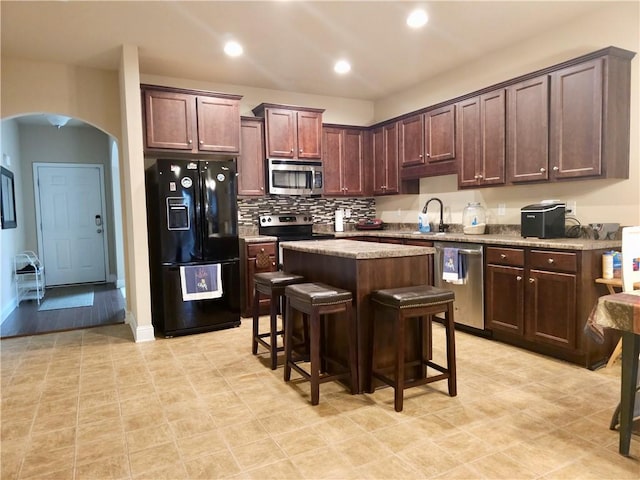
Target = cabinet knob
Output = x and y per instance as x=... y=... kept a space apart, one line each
x=518 y=278
x=428 y=155
x=300 y=151
x=201 y=142
x=420 y=156
x=542 y=169
x=480 y=177
x=503 y=256
x=550 y=261
x=292 y=150
x=475 y=177
x=262 y=250
x=189 y=141
x=531 y=280
x=262 y=189
x=273 y=264
x=556 y=168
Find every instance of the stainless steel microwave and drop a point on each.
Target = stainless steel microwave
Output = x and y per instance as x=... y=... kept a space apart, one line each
x=294 y=177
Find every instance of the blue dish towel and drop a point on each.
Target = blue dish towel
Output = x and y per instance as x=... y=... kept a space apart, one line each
x=454 y=266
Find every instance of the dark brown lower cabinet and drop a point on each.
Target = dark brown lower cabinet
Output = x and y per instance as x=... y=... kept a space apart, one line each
x=541 y=299
x=255 y=258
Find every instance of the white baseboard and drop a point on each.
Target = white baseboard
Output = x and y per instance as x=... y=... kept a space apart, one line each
x=120 y=283
x=8 y=308
x=141 y=333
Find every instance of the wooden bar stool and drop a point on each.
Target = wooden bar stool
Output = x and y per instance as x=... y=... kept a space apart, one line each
x=316 y=301
x=402 y=304
x=272 y=285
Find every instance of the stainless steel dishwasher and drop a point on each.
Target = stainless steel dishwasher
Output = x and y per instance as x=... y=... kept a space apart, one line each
x=469 y=302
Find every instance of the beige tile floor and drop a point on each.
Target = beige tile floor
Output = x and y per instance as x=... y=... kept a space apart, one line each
x=92 y=404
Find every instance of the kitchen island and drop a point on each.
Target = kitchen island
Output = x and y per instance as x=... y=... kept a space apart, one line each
x=361 y=267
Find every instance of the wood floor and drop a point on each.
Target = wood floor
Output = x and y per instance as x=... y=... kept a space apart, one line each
x=108 y=308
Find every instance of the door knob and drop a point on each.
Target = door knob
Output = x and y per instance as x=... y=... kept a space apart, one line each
x=99 y=230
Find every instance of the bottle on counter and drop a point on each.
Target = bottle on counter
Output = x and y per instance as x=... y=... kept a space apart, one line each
x=607 y=265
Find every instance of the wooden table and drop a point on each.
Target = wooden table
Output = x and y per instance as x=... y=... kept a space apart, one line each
x=612 y=284
x=621 y=311
x=360 y=267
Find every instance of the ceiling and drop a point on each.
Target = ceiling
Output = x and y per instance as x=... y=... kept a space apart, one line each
x=288 y=45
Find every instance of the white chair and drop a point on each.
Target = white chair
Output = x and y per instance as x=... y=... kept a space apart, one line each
x=630 y=257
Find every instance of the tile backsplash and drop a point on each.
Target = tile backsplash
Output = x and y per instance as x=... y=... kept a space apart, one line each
x=322 y=209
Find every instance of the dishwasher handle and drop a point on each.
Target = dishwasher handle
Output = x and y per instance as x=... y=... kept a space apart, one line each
x=465 y=251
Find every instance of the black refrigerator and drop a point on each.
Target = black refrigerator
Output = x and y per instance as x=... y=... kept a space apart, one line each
x=192 y=220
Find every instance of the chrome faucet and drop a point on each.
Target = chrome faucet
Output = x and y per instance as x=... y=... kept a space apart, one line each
x=441 y=225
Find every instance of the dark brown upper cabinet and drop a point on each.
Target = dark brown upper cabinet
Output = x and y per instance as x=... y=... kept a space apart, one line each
x=291 y=132
x=427 y=143
x=480 y=134
x=343 y=161
x=251 y=162
x=528 y=130
x=191 y=121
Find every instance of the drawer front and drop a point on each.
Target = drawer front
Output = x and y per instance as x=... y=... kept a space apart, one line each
x=505 y=256
x=254 y=249
x=563 y=261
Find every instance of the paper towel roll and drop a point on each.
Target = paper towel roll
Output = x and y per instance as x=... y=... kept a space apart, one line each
x=339 y=222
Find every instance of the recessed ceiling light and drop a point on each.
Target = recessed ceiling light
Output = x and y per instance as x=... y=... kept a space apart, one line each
x=418 y=18
x=342 y=67
x=233 y=48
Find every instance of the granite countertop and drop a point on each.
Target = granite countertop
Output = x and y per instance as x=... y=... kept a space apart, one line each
x=495 y=239
x=258 y=238
x=355 y=249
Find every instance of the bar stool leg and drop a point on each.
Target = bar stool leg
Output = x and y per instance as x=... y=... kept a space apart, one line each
x=273 y=311
x=399 y=390
x=288 y=340
x=256 y=316
x=353 y=356
x=451 y=351
x=315 y=357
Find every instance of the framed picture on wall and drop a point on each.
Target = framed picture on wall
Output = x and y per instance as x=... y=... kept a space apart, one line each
x=7 y=199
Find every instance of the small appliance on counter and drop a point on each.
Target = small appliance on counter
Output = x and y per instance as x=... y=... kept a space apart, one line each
x=543 y=220
x=474 y=219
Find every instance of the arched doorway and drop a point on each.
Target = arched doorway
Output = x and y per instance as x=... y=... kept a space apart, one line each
x=41 y=139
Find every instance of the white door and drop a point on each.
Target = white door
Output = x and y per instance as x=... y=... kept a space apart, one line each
x=72 y=223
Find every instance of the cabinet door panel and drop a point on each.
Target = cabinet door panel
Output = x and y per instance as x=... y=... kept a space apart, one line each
x=493 y=131
x=333 y=151
x=379 y=163
x=280 y=127
x=169 y=120
x=251 y=180
x=468 y=138
x=309 y=134
x=352 y=163
x=412 y=141
x=391 y=158
x=440 y=139
x=551 y=308
x=528 y=127
x=505 y=312
x=218 y=124
x=576 y=120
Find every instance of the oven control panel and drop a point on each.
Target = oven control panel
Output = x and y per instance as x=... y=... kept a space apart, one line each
x=285 y=219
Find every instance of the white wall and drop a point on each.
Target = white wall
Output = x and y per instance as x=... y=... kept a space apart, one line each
x=12 y=240
x=597 y=200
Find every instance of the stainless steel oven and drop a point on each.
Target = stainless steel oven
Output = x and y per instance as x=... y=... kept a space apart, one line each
x=289 y=227
x=294 y=177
